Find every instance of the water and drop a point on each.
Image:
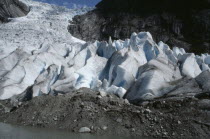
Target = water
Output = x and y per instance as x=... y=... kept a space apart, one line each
x=18 y=132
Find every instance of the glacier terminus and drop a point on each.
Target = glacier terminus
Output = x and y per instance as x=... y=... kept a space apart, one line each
x=38 y=53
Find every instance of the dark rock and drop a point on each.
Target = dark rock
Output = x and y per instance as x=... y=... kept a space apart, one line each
x=6 y=106
x=181 y=23
x=204 y=81
x=17 y=100
x=147 y=111
x=184 y=88
x=203 y=95
x=11 y=9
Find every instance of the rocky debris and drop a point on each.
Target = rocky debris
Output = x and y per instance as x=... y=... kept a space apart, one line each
x=5 y=109
x=127 y=102
x=12 y=9
x=83 y=111
x=181 y=23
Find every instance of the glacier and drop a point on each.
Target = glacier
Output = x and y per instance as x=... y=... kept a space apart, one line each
x=38 y=55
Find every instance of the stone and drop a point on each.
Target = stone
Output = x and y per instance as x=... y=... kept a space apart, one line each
x=133 y=130
x=147 y=111
x=104 y=127
x=84 y=130
x=127 y=102
x=119 y=120
x=103 y=94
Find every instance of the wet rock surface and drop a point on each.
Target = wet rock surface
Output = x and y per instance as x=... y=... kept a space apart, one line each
x=11 y=9
x=168 y=117
x=179 y=23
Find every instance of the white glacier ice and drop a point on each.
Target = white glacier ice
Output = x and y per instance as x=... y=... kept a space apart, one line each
x=37 y=52
x=189 y=66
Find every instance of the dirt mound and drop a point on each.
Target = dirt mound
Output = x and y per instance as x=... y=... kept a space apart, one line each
x=168 y=117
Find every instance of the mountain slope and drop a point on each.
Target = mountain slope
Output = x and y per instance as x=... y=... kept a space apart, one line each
x=181 y=23
x=12 y=8
x=44 y=26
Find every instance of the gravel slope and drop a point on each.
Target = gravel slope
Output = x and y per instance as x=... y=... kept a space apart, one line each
x=166 y=117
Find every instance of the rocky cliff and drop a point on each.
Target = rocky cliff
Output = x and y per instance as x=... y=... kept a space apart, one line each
x=12 y=8
x=179 y=23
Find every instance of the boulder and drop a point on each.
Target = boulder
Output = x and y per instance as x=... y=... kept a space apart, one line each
x=84 y=130
x=185 y=87
x=204 y=81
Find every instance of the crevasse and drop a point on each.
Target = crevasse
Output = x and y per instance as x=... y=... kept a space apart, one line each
x=37 y=52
